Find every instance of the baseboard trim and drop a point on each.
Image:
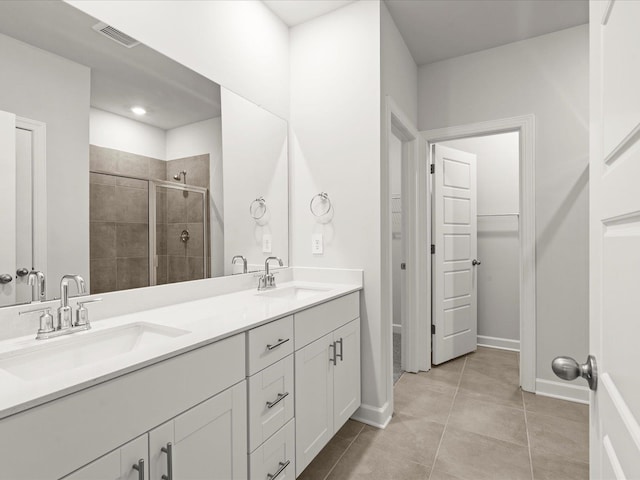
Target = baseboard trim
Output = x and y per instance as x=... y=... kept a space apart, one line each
x=378 y=417
x=562 y=391
x=501 y=343
x=397 y=328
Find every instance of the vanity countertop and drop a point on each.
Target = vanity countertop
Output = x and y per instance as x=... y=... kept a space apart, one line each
x=197 y=323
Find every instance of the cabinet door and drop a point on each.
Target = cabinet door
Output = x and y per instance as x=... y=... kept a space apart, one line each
x=117 y=465
x=313 y=399
x=209 y=441
x=346 y=374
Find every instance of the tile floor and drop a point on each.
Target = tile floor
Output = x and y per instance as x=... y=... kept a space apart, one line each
x=464 y=420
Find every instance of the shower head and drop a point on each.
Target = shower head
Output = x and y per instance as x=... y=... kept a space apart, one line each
x=179 y=175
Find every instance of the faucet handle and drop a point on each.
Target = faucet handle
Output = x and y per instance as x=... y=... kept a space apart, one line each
x=46 y=321
x=82 y=314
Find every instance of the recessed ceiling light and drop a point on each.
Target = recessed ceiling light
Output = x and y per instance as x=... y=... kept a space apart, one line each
x=138 y=110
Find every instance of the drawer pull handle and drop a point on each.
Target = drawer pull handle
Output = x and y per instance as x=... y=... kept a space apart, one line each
x=339 y=354
x=282 y=465
x=335 y=356
x=276 y=345
x=281 y=396
x=169 y=451
x=140 y=468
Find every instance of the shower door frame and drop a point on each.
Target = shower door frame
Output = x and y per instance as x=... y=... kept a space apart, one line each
x=153 y=257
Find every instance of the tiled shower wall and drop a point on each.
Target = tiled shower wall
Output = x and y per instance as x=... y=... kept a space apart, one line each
x=119 y=224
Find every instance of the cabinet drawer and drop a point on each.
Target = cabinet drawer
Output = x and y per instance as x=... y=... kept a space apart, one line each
x=272 y=386
x=315 y=322
x=269 y=343
x=276 y=454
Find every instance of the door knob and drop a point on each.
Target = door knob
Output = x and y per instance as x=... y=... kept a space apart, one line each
x=475 y=262
x=568 y=369
x=5 y=278
x=21 y=272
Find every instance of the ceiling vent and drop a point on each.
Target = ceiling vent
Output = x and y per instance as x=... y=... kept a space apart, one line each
x=115 y=35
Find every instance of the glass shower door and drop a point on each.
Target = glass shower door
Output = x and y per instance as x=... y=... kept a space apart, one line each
x=180 y=244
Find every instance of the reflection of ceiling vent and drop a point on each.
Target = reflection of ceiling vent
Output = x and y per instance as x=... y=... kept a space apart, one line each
x=115 y=35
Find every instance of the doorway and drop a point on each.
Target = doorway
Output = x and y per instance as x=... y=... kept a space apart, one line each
x=524 y=127
x=475 y=224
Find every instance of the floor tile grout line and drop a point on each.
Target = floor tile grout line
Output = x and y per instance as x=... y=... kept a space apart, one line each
x=444 y=430
x=526 y=426
x=343 y=453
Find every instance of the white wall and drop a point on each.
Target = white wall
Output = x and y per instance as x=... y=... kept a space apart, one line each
x=121 y=133
x=335 y=148
x=41 y=86
x=546 y=76
x=197 y=139
x=242 y=46
x=399 y=71
x=498 y=245
x=254 y=146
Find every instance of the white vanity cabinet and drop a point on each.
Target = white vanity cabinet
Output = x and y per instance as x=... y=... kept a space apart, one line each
x=119 y=464
x=208 y=441
x=327 y=374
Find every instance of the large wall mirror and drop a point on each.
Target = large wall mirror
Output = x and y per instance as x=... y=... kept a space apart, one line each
x=123 y=166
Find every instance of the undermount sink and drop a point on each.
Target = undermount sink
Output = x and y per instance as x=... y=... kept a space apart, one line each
x=79 y=350
x=293 y=293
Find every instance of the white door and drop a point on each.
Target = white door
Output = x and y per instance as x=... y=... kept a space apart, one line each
x=8 y=210
x=314 y=399
x=118 y=465
x=346 y=373
x=209 y=441
x=615 y=238
x=455 y=236
x=24 y=212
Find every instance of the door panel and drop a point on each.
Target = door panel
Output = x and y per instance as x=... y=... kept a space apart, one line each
x=313 y=399
x=346 y=374
x=455 y=237
x=8 y=210
x=614 y=240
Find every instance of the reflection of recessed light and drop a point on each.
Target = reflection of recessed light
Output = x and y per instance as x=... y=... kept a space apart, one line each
x=138 y=110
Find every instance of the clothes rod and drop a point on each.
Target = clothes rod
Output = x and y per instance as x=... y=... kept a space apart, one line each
x=498 y=215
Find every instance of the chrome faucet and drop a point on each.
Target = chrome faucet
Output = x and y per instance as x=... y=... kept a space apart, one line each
x=65 y=316
x=244 y=262
x=37 y=282
x=268 y=280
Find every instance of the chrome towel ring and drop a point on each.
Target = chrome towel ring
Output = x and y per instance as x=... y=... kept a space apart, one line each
x=258 y=208
x=316 y=201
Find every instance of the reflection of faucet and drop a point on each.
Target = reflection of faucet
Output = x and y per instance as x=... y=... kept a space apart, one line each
x=244 y=262
x=64 y=311
x=37 y=282
x=268 y=280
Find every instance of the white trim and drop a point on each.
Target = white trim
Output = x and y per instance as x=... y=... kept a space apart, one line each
x=374 y=416
x=397 y=123
x=525 y=125
x=562 y=391
x=397 y=328
x=499 y=343
x=39 y=189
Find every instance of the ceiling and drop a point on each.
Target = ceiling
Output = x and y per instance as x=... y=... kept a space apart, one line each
x=121 y=77
x=439 y=29
x=294 y=12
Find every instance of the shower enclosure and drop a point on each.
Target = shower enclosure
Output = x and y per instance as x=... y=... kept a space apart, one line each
x=146 y=232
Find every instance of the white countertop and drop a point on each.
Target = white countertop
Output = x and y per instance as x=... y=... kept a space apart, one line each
x=206 y=321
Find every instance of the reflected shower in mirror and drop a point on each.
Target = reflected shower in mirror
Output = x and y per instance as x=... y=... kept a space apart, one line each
x=121 y=166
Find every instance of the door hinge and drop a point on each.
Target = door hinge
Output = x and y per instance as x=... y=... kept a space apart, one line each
x=433 y=168
x=403 y=266
x=433 y=329
x=433 y=249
